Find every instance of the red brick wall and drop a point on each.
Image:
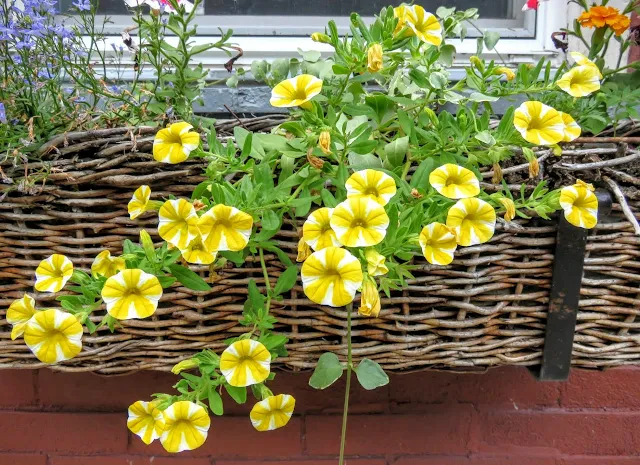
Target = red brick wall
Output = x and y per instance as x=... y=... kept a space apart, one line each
x=502 y=417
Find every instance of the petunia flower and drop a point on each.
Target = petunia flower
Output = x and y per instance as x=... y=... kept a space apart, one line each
x=375 y=263
x=473 y=220
x=174 y=143
x=132 y=294
x=580 y=205
x=359 y=222
x=296 y=92
x=273 y=412
x=331 y=276
x=225 y=228
x=374 y=184
x=178 y=223
x=582 y=60
x=106 y=265
x=438 y=243
x=186 y=425
x=571 y=129
x=53 y=336
x=374 y=58
x=196 y=252
x=145 y=421
x=539 y=123
x=139 y=202
x=245 y=362
x=53 y=273
x=317 y=232
x=454 y=182
x=580 y=81
x=369 y=299
x=423 y=25
x=19 y=314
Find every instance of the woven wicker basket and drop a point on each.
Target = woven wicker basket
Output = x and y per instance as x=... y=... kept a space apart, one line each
x=487 y=308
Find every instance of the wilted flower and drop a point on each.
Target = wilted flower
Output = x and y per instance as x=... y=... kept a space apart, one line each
x=303 y=250
x=369 y=299
x=509 y=207
x=375 y=263
x=374 y=58
x=508 y=72
x=324 y=142
x=188 y=364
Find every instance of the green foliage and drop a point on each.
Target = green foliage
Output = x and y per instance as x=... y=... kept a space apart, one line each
x=328 y=371
x=371 y=375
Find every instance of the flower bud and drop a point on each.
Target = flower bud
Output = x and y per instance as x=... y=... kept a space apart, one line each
x=314 y=161
x=147 y=245
x=497 y=174
x=557 y=150
x=374 y=58
x=581 y=183
x=320 y=37
x=477 y=62
x=303 y=250
x=198 y=205
x=324 y=142
x=508 y=72
x=416 y=194
x=375 y=263
x=369 y=299
x=510 y=208
x=185 y=365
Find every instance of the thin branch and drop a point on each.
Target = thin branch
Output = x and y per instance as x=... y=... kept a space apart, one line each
x=598 y=164
x=235 y=116
x=606 y=140
x=515 y=169
x=623 y=203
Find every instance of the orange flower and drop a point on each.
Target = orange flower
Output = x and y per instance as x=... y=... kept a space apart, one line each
x=603 y=16
x=619 y=24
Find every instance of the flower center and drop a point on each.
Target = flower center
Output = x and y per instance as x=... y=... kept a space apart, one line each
x=371 y=191
x=535 y=124
x=132 y=292
x=453 y=180
x=358 y=223
x=173 y=139
x=332 y=273
x=56 y=336
x=224 y=223
x=300 y=94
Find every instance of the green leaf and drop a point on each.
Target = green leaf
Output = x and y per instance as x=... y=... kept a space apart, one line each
x=438 y=80
x=166 y=281
x=311 y=56
x=396 y=150
x=270 y=220
x=479 y=97
x=286 y=281
x=447 y=54
x=420 y=177
x=371 y=375
x=491 y=38
x=232 y=81
x=215 y=401
x=188 y=278
x=239 y=394
x=328 y=371
x=486 y=138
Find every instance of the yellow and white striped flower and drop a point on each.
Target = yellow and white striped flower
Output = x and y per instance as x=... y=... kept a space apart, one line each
x=296 y=92
x=106 y=265
x=131 y=294
x=582 y=60
x=454 y=182
x=145 y=421
x=423 y=25
x=273 y=412
x=19 y=314
x=580 y=205
x=178 y=223
x=539 y=123
x=139 y=202
x=53 y=336
x=571 y=129
x=186 y=426
x=174 y=143
x=317 y=232
x=473 y=220
x=438 y=243
x=375 y=263
x=245 y=362
x=580 y=81
x=373 y=184
x=53 y=273
x=331 y=276
x=360 y=222
x=225 y=228
x=196 y=252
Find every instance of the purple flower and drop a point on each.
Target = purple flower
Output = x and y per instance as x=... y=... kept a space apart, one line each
x=82 y=5
x=3 y=114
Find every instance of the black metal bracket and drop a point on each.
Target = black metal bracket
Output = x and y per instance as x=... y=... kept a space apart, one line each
x=568 y=267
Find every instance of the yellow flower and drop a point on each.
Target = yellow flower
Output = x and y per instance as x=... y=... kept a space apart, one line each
x=131 y=294
x=571 y=129
x=303 y=250
x=422 y=24
x=174 y=143
x=178 y=223
x=369 y=299
x=320 y=37
x=317 y=232
x=296 y=92
x=438 y=243
x=145 y=421
x=508 y=72
x=331 y=276
x=375 y=263
x=324 y=142
x=374 y=58
x=454 y=182
x=582 y=60
x=273 y=412
x=139 y=202
x=474 y=221
x=19 y=314
x=370 y=183
x=538 y=123
x=188 y=364
x=359 y=222
x=106 y=265
x=186 y=425
x=509 y=207
x=53 y=336
x=225 y=228
x=197 y=252
x=245 y=362
x=580 y=81
x=53 y=273
x=580 y=205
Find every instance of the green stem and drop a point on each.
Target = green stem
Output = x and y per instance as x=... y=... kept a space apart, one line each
x=405 y=171
x=267 y=283
x=345 y=412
